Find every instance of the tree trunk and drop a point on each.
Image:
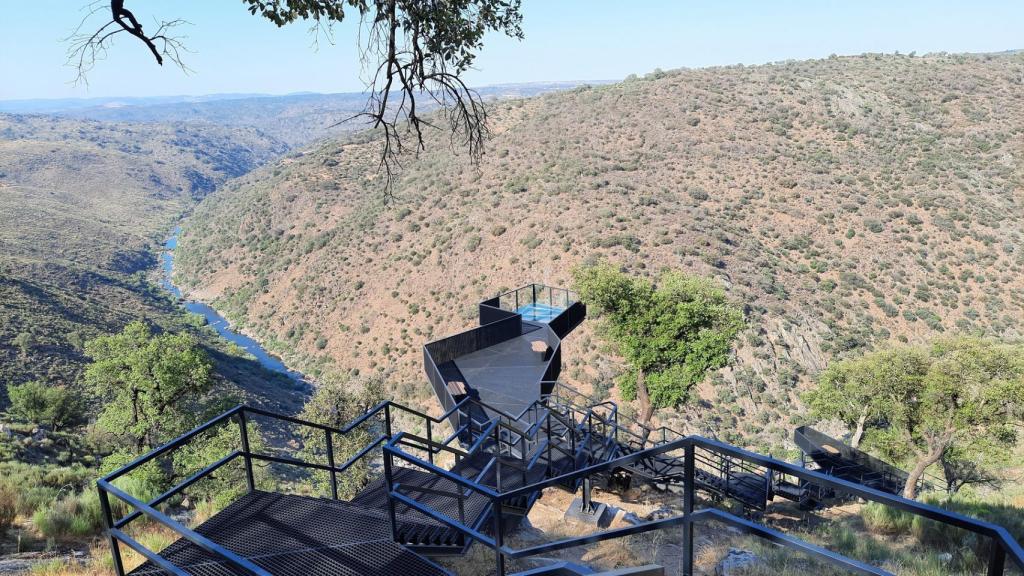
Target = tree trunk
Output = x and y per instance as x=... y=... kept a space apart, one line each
x=858 y=434
x=644 y=397
x=933 y=456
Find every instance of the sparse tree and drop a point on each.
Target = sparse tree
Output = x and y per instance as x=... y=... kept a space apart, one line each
x=336 y=403
x=147 y=384
x=958 y=402
x=848 y=391
x=24 y=342
x=670 y=333
x=413 y=53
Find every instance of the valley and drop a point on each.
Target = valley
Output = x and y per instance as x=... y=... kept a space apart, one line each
x=162 y=260
x=845 y=202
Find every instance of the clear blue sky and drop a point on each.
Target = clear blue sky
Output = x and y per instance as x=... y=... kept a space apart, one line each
x=565 y=40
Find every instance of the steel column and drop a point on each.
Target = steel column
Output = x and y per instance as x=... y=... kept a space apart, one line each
x=997 y=560
x=499 y=539
x=688 y=499
x=330 y=462
x=108 y=517
x=389 y=482
x=243 y=430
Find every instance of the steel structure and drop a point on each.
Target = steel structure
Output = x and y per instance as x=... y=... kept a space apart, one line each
x=470 y=476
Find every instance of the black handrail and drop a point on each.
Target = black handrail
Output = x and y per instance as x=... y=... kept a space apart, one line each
x=1005 y=544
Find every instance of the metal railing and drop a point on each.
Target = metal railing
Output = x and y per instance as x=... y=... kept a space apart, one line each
x=571 y=313
x=440 y=352
x=1004 y=545
x=692 y=447
x=534 y=449
x=384 y=413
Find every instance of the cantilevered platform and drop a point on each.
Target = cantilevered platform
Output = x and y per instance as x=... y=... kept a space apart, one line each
x=507 y=375
x=297 y=536
x=506 y=361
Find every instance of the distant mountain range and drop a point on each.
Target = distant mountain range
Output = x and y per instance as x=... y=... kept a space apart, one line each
x=293 y=118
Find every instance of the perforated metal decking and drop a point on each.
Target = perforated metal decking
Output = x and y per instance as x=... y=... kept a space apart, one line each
x=298 y=536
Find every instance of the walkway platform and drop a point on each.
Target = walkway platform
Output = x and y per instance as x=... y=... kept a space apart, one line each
x=297 y=536
x=507 y=375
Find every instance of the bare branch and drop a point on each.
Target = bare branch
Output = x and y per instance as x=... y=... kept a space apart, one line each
x=87 y=48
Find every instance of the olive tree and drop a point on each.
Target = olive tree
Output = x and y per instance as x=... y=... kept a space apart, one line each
x=670 y=333
x=148 y=385
x=958 y=402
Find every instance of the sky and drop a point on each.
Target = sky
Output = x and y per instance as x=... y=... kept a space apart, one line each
x=234 y=52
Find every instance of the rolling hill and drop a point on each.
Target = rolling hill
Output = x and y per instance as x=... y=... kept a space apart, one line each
x=845 y=202
x=296 y=119
x=83 y=208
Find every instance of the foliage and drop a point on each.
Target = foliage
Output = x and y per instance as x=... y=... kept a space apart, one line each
x=957 y=401
x=671 y=333
x=35 y=402
x=8 y=507
x=848 y=390
x=227 y=483
x=79 y=514
x=147 y=383
x=944 y=537
x=336 y=403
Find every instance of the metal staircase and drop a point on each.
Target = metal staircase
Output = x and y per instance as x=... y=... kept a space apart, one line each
x=470 y=475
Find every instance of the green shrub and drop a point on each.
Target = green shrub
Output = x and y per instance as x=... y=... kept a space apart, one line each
x=78 y=515
x=8 y=507
x=885 y=519
x=38 y=403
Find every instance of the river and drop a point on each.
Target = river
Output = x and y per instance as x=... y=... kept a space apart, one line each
x=213 y=318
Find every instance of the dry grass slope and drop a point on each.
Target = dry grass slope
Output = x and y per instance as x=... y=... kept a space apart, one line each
x=82 y=206
x=845 y=201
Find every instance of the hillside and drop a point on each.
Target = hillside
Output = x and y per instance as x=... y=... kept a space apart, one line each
x=296 y=119
x=844 y=201
x=83 y=207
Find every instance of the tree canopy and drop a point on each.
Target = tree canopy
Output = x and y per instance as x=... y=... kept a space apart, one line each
x=413 y=52
x=147 y=384
x=336 y=403
x=957 y=401
x=671 y=333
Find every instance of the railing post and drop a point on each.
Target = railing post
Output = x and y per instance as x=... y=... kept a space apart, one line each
x=497 y=459
x=108 y=517
x=499 y=539
x=387 y=420
x=996 y=559
x=688 y=498
x=430 y=440
x=330 y=462
x=547 y=474
x=389 y=483
x=243 y=430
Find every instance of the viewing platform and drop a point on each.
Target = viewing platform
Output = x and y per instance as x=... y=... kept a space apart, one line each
x=506 y=360
x=397 y=491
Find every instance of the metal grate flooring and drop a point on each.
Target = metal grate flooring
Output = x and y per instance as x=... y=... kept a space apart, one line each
x=297 y=536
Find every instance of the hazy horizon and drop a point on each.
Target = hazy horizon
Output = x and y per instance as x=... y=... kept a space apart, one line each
x=233 y=52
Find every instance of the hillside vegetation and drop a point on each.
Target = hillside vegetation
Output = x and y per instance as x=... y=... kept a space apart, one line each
x=844 y=202
x=296 y=119
x=83 y=208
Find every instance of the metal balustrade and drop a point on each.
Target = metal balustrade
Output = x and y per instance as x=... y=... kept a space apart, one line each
x=472 y=473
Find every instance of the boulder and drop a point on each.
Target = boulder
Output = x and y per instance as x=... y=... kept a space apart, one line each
x=737 y=562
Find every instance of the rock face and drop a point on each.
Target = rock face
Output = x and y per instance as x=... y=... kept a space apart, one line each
x=738 y=562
